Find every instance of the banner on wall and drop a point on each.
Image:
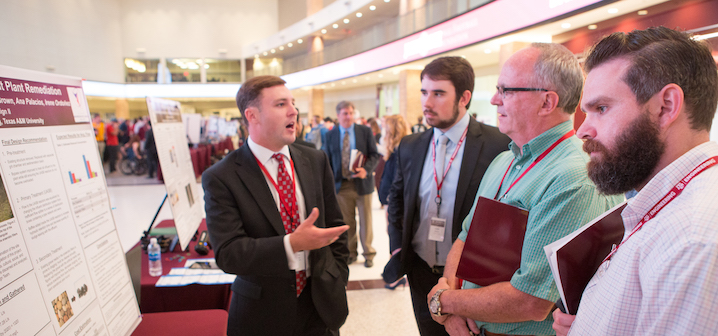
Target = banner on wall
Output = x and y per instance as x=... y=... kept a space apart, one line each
x=62 y=267
x=177 y=170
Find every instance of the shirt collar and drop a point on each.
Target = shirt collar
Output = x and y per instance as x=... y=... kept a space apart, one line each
x=455 y=132
x=542 y=142
x=349 y=129
x=664 y=181
x=263 y=154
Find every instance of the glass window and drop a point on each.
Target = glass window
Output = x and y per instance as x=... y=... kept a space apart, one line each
x=219 y=70
x=141 y=70
x=184 y=69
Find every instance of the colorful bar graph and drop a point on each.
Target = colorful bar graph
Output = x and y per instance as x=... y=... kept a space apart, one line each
x=73 y=179
x=88 y=170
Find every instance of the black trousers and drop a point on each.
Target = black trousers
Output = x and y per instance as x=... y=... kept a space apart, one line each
x=421 y=281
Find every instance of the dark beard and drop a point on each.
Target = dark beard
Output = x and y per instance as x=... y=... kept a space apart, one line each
x=631 y=162
x=444 y=124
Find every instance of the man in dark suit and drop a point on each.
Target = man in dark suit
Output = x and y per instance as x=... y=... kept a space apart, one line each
x=274 y=221
x=354 y=188
x=437 y=176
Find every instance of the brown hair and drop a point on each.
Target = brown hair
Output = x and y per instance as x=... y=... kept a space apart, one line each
x=344 y=104
x=250 y=92
x=660 y=56
x=455 y=69
x=396 y=129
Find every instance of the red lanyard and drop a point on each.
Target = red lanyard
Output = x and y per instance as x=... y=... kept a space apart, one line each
x=543 y=155
x=670 y=196
x=287 y=208
x=446 y=171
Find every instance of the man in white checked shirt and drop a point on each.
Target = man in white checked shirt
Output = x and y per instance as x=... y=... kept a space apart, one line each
x=650 y=98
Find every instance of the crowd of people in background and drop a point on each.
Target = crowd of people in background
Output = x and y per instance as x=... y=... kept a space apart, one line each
x=126 y=138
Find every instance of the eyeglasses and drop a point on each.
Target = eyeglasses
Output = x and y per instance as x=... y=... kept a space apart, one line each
x=502 y=90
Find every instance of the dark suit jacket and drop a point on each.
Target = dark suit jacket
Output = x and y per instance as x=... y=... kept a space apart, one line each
x=483 y=143
x=246 y=231
x=364 y=143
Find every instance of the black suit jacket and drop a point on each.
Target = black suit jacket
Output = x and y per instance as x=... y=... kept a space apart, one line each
x=483 y=143
x=364 y=143
x=246 y=231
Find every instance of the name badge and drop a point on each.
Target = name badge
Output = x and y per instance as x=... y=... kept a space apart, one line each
x=437 y=229
x=301 y=260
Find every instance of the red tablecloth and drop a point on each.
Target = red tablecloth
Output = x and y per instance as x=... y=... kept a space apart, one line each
x=191 y=297
x=211 y=322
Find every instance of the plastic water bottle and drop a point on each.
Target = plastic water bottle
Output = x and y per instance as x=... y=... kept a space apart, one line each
x=155 y=256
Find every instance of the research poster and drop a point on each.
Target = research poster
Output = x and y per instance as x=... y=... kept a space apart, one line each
x=62 y=268
x=177 y=170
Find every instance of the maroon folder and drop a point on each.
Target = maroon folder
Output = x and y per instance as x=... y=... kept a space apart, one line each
x=579 y=258
x=492 y=250
x=357 y=161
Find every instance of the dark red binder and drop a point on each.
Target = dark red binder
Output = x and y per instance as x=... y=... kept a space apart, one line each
x=357 y=161
x=492 y=250
x=579 y=258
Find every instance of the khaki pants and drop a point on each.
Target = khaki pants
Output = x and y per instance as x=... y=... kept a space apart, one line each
x=349 y=201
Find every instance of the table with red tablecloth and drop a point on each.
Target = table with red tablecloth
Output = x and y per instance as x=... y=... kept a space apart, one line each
x=211 y=322
x=191 y=297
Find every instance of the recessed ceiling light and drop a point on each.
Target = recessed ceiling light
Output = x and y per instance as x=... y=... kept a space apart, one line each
x=367 y=77
x=333 y=84
x=273 y=51
x=487 y=51
x=281 y=47
x=335 y=26
x=354 y=80
x=359 y=14
x=265 y=53
x=387 y=0
x=565 y=25
x=324 y=86
x=256 y=55
x=592 y=27
x=343 y=82
x=346 y=20
x=324 y=31
x=381 y=75
x=613 y=10
x=642 y=12
x=300 y=41
x=290 y=44
x=372 y=7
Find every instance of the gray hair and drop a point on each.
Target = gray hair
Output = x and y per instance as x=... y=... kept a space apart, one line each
x=557 y=69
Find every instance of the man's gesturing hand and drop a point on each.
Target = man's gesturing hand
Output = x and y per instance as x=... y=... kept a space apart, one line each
x=309 y=237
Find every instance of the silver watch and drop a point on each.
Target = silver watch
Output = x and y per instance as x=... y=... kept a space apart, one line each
x=435 y=304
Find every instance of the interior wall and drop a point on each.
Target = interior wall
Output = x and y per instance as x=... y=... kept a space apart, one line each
x=75 y=37
x=184 y=28
x=89 y=39
x=290 y=11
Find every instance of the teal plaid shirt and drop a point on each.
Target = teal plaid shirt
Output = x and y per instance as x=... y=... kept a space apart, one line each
x=560 y=198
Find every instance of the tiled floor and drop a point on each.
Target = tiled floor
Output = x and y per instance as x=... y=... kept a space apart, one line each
x=373 y=310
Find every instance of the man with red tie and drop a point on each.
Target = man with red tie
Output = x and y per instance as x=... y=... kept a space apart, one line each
x=274 y=221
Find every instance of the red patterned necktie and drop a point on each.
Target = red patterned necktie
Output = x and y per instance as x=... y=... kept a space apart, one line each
x=289 y=209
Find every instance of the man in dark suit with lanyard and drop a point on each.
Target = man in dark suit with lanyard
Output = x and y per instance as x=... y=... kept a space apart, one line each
x=354 y=188
x=274 y=221
x=438 y=173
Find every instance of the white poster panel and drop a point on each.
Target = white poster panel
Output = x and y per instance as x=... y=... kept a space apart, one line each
x=177 y=169
x=62 y=269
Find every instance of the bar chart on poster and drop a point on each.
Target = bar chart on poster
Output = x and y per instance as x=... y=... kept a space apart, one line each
x=62 y=268
x=177 y=170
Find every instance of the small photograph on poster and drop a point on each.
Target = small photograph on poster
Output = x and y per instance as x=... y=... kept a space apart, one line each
x=190 y=196
x=79 y=104
x=174 y=197
x=63 y=308
x=5 y=209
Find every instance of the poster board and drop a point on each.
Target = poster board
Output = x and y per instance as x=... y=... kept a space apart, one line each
x=62 y=267
x=176 y=163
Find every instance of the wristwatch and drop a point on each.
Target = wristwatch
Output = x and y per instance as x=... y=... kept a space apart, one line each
x=435 y=304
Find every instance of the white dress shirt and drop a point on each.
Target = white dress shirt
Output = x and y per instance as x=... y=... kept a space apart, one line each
x=300 y=260
x=664 y=279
